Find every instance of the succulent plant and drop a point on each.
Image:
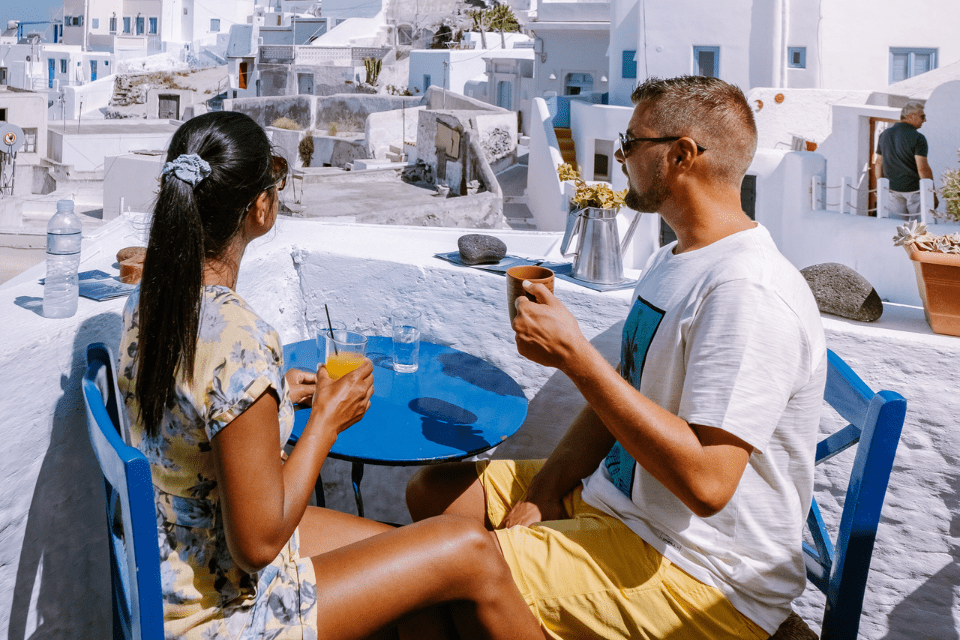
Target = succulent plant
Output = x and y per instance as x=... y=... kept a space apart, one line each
x=916 y=234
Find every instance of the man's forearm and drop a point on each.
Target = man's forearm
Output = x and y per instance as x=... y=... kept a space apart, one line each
x=699 y=465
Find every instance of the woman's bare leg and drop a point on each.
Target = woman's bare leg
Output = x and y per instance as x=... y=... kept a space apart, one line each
x=323 y=530
x=452 y=488
x=371 y=584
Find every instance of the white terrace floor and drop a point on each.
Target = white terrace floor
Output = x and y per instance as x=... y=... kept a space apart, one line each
x=52 y=542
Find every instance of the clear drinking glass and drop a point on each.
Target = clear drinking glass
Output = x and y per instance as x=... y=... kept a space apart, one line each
x=320 y=329
x=406 y=339
x=345 y=352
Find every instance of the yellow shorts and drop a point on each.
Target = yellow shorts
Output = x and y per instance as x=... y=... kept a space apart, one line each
x=592 y=577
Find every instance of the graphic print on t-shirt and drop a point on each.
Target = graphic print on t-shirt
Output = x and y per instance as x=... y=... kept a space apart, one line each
x=638 y=332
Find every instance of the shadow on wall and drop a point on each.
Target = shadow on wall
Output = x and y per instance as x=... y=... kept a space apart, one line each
x=555 y=406
x=934 y=604
x=62 y=568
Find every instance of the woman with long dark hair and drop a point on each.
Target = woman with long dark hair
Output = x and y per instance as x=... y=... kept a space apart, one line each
x=243 y=555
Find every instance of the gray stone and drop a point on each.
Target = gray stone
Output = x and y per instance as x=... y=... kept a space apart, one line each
x=476 y=248
x=843 y=292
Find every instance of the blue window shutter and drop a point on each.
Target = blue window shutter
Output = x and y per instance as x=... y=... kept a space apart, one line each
x=629 y=64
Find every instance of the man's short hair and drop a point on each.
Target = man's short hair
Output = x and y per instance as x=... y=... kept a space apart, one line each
x=712 y=112
x=911 y=108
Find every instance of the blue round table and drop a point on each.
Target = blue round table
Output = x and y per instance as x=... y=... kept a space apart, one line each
x=454 y=406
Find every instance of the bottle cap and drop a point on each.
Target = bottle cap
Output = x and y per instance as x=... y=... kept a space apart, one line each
x=64 y=205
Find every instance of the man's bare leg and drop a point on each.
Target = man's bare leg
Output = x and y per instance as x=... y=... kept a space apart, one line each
x=449 y=488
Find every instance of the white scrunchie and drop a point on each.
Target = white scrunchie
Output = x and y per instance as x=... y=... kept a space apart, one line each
x=188 y=167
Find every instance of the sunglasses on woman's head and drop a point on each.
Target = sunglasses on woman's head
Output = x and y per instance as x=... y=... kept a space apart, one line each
x=278 y=168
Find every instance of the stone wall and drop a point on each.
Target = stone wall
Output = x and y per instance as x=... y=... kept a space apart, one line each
x=265 y=110
x=350 y=112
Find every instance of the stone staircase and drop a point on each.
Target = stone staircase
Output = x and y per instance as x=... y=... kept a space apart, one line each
x=567 y=149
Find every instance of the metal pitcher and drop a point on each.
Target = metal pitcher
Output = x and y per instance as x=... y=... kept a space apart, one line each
x=599 y=254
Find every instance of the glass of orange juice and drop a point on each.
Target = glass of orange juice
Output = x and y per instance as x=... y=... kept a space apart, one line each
x=345 y=352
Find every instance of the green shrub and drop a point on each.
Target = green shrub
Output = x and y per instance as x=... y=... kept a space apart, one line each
x=305 y=149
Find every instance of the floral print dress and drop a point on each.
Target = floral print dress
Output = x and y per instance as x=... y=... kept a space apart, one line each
x=206 y=595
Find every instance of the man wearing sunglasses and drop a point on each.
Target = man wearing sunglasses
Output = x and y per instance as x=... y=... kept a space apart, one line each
x=673 y=507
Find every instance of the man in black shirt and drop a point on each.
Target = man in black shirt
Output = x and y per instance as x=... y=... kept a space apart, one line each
x=902 y=158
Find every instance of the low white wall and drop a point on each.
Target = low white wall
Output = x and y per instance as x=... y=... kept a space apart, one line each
x=384 y=129
x=87 y=151
x=84 y=99
x=130 y=183
x=544 y=194
x=53 y=544
x=808 y=237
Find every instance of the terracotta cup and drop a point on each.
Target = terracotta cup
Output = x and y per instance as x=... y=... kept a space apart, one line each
x=515 y=278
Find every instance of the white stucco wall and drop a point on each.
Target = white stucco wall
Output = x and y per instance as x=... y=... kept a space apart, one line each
x=942 y=130
x=847 y=28
x=462 y=65
x=86 y=151
x=83 y=100
x=387 y=128
x=846 y=46
x=624 y=29
x=588 y=56
x=544 y=195
x=130 y=183
x=806 y=113
x=53 y=545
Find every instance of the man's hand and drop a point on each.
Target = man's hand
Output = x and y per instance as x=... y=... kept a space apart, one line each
x=547 y=332
x=532 y=509
x=301 y=386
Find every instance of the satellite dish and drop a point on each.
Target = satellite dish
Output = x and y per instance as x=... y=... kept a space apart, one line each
x=11 y=138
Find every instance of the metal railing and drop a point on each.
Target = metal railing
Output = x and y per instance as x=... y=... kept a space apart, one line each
x=820 y=201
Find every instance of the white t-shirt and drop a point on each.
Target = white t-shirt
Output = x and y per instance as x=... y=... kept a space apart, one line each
x=727 y=336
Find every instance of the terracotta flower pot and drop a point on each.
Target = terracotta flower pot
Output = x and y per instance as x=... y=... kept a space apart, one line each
x=938 y=278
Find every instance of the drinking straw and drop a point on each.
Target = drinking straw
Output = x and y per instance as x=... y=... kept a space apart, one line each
x=336 y=351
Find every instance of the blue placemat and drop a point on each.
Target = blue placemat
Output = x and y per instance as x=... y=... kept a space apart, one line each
x=560 y=269
x=99 y=285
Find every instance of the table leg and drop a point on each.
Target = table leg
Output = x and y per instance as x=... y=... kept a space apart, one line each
x=318 y=493
x=356 y=476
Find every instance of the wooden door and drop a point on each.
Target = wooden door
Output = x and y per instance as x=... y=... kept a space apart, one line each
x=169 y=107
x=877 y=125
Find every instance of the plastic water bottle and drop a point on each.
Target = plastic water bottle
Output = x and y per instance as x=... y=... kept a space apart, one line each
x=61 y=289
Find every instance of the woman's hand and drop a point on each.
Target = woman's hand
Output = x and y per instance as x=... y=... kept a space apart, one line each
x=301 y=386
x=338 y=404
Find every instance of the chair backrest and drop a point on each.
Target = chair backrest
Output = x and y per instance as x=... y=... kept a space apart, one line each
x=839 y=568
x=131 y=512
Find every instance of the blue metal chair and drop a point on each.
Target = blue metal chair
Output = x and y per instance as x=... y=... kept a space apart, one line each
x=839 y=568
x=131 y=513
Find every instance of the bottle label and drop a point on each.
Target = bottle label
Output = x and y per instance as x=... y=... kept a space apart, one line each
x=63 y=244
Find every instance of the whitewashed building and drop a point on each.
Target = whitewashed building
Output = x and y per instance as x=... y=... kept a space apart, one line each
x=562 y=67
x=835 y=44
x=452 y=69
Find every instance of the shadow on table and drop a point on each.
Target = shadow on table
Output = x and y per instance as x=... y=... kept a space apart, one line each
x=448 y=424
x=486 y=376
